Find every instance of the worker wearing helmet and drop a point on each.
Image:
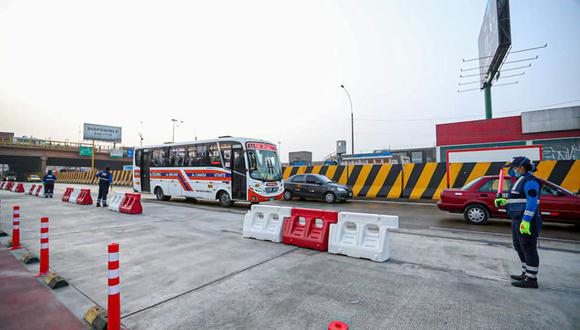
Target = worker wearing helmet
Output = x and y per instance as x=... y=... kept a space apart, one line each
x=522 y=207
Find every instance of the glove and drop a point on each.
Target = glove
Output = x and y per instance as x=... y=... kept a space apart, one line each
x=525 y=228
x=500 y=202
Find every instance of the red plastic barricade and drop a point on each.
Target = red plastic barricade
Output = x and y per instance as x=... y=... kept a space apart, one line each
x=131 y=204
x=31 y=190
x=2 y=184
x=38 y=190
x=19 y=188
x=308 y=228
x=66 y=195
x=85 y=197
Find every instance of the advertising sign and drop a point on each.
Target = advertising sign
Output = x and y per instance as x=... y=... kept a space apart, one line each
x=102 y=133
x=86 y=151
x=127 y=167
x=116 y=153
x=494 y=38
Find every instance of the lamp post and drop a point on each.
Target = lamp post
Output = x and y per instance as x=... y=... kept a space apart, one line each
x=175 y=121
x=351 y=120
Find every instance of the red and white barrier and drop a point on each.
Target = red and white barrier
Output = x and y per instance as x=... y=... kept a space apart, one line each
x=38 y=190
x=77 y=196
x=2 y=233
x=265 y=222
x=18 y=187
x=128 y=203
x=114 y=297
x=84 y=197
x=2 y=184
x=30 y=190
x=337 y=325
x=15 y=228
x=44 y=255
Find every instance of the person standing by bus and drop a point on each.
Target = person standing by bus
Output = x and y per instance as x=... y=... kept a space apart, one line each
x=49 y=179
x=522 y=208
x=105 y=183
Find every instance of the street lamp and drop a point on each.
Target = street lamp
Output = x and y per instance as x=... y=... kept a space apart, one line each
x=351 y=119
x=175 y=121
x=141 y=133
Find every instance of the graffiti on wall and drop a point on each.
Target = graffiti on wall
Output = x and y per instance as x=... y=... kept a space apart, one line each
x=561 y=149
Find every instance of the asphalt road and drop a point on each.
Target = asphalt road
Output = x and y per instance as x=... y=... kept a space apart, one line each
x=412 y=214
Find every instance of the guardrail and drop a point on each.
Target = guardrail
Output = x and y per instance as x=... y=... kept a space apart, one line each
x=58 y=145
x=120 y=178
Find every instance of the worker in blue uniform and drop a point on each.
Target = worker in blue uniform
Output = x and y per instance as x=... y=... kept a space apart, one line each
x=49 y=179
x=522 y=207
x=105 y=183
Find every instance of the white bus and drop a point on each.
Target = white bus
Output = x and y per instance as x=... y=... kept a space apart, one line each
x=227 y=169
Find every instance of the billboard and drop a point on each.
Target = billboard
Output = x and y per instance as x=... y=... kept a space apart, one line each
x=102 y=133
x=494 y=38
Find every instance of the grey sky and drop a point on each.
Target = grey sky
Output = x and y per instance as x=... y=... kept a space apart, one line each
x=268 y=69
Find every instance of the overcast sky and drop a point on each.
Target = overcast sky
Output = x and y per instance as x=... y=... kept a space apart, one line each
x=269 y=69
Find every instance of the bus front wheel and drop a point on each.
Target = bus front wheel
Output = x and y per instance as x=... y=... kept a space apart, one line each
x=224 y=199
x=160 y=195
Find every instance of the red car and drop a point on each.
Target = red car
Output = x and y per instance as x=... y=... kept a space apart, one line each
x=475 y=201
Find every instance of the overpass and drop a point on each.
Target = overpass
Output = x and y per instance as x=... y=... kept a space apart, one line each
x=32 y=157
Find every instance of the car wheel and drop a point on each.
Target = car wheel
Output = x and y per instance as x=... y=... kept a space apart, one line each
x=476 y=214
x=330 y=197
x=160 y=195
x=287 y=195
x=224 y=199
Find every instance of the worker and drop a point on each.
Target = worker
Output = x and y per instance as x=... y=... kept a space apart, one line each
x=105 y=183
x=49 y=179
x=522 y=207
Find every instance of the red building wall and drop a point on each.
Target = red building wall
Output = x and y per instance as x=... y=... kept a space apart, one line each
x=491 y=130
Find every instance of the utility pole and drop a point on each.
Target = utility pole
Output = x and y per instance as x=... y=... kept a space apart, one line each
x=174 y=123
x=351 y=120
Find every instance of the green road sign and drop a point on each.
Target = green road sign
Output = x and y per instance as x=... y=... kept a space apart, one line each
x=86 y=151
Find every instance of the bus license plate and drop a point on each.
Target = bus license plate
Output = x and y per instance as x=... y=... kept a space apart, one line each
x=271 y=199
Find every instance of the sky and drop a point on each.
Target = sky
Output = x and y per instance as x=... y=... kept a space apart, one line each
x=270 y=69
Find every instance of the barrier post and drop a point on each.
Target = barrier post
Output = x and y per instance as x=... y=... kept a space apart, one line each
x=15 y=228
x=2 y=233
x=114 y=298
x=44 y=256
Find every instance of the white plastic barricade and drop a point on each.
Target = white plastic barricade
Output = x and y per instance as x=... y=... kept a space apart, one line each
x=74 y=195
x=265 y=222
x=116 y=200
x=27 y=187
x=362 y=235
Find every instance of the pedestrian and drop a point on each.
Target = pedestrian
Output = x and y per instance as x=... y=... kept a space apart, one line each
x=522 y=207
x=105 y=182
x=49 y=179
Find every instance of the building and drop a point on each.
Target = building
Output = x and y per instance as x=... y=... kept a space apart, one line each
x=556 y=130
x=384 y=157
x=414 y=155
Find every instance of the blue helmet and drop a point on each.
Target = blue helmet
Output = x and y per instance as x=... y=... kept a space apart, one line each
x=522 y=161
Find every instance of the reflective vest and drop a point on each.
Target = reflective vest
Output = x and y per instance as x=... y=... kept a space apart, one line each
x=517 y=198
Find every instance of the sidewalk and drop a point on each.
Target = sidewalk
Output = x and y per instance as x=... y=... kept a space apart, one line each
x=27 y=304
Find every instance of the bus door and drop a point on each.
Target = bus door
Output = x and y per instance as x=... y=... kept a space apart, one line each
x=238 y=172
x=145 y=174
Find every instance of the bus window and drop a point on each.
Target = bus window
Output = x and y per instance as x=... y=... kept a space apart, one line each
x=177 y=156
x=159 y=158
x=214 y=155
x=226 y=154
x=264 y=165
x=138 y=154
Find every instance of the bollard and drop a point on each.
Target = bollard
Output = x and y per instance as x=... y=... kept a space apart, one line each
x=2 y=233
x=114 y=299
x=44 y=256
x=15 y=228
x=337 y=325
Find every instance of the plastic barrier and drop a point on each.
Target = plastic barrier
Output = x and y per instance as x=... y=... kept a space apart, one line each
x=38 y=190
x=116 y=201
x=18 y=188
x=308 y=228
x=67 y=193
x=9 y=185
x=131 y=204
x=74 y=195
x=362 y=235
x=84 y=197
x=2 y=184
x=265 y=222
x=30 y=190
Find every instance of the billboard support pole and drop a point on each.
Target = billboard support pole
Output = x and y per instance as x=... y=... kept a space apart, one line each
x=93 y=159
x=487 y=91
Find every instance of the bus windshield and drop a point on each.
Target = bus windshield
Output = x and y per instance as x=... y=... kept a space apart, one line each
x=264 y=165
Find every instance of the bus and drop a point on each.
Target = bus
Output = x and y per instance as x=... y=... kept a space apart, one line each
x=227 y=169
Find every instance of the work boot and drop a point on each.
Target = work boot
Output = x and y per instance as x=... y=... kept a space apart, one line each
x=527 y=283
x=519 y=277
x=98 y=205
x=105 y=205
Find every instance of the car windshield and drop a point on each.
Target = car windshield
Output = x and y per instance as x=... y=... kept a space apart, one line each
x=264 y=165
x=324 y=179
x=470 y=184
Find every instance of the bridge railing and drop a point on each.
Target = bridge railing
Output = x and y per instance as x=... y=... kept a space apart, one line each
x=59 y=145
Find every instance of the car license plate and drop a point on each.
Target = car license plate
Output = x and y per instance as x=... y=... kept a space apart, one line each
x=271 y=199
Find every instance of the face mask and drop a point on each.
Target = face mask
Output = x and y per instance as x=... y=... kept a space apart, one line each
x=512 y=172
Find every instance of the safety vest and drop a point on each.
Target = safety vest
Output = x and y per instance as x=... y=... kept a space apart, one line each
x=517 y=198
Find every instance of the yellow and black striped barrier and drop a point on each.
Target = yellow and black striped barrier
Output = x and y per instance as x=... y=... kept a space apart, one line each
x=426 y=180
x=120 y=178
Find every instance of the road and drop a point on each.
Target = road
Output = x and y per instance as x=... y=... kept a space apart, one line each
x=185 y=265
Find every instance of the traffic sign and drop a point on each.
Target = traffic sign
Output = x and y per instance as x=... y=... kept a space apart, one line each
x=86 y=151
x=130 y=153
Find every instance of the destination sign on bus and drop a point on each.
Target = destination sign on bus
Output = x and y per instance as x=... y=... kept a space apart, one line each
x=260 y=146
